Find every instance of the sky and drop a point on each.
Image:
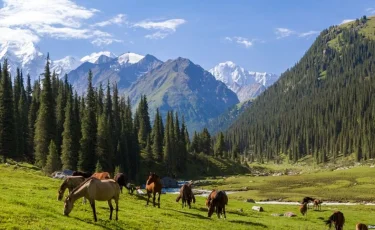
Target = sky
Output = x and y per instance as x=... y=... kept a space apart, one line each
x=264 y=36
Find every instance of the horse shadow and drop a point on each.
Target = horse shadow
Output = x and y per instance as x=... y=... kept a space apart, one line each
x=87 y=221
x=248 y=223
x=193 y=215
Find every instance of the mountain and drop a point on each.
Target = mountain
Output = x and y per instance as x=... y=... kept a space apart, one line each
x=124 y=69
x=244 y=83
x=322 y=107
x=26 y=56
x=65 y=65
x=186 y=88
x=98 y=56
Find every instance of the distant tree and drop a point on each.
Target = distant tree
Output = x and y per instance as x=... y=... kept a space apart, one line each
x=53 y=161
x=220 y=145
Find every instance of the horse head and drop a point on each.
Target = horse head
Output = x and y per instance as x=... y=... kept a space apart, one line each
x=68 y=206
x=152 y=178
x=60 y=195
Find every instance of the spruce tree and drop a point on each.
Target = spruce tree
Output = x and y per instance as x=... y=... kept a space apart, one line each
x=45 y=123
x=60 y=113
x=69 y=153
x=157 y=143
x=220 y=145
x=103 y=144
x=31 y=119
x=53 y=161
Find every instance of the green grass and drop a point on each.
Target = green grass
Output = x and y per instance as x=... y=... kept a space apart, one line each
x=28 y=201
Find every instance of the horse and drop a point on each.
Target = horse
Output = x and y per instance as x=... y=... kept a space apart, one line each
x=217 y=200
x=317 y=204
x=153 y=185
x=122 y=181
x=361 y=226
x=307 y=200
x=79 y=173
x=94 y=189
x=303 y=209
x=70 y=182
x=101 y=175
x=338 y=219
x=186 y=194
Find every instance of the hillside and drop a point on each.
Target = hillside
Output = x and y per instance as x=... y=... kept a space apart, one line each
x=186 y=88
x=323 y=106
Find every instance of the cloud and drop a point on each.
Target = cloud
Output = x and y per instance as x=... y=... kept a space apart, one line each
x=105 y=41
x=164 y=28
x=117 y=20
x=23 y=21
x=241 y=40
x=157 y=35
x=346 y=21
x=370 y=10
x=284 y=32
x=309 y=33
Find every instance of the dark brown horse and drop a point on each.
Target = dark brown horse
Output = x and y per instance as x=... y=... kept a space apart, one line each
x=153 y=185
x=186 y=194
x=361 y=226
x=84 y=174
x=317 y=204
x=338 y=219
x=123 y=181
x=303 y=209
x=102 y=175
x=307 y=200
x=217 y=201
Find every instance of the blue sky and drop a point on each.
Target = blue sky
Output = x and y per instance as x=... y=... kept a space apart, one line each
x=267 y=35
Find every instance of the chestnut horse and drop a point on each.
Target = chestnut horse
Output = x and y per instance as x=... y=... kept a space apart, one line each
x=70 y=182
x=94 y=189
x=101 y=175
x=186 y=194
x=303 y=209
x=338 y=219
x=361 y=226
x=153 y=185
x=217 y=200
x=317 y=204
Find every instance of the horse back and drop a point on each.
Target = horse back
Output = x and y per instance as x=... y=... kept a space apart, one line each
x=103 y=190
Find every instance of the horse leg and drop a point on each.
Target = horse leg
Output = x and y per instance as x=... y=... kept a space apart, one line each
x=159 y=199
x=153 y=198
x=148 y=197
x=110 y=208
x=93 y=209
x=189 y=203
x=116 y=202
x=121 y=188
x=225 y=216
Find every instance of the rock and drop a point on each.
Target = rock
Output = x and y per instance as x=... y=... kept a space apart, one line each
x=257 y=208
x=276 y=214
x=250 y=200
x=289 y=214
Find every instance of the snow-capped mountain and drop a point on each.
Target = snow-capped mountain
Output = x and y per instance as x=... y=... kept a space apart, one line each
x=95 y=57
x=65 y=65
x=129 y=58
x=25 y=56
x=244 y=83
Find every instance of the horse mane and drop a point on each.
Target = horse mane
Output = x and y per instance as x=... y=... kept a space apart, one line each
x=80 y=185
x=63 y=183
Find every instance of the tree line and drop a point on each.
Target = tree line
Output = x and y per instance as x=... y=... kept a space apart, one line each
x=48 y=124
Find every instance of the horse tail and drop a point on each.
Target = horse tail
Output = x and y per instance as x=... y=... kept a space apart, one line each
x=178 y=198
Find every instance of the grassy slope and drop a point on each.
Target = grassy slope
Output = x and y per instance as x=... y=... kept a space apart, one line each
x=28 y=201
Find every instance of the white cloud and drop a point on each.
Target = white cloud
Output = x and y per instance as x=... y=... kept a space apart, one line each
x=117 y=20
x=371 y=10
x=105 y=41
x=164 y=28
x=157 y=35
x=228 y=39
x=346 y=21
x=24 y=21
x=241 y=40
x=309 y=33
x=283 y=32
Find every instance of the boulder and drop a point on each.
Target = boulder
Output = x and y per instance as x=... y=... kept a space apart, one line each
x=250 y=200
x=257 y=208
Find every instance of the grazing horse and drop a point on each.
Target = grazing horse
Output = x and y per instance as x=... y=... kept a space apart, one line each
x=153 y=185
x=122 y=181
x=317 y=204
x=186 y=194
x=70 y=182
x=217 y=200
x=303 y=209
x=307 y=200
x=338 y=219
x=101 y=175
x=361 y=226
x=79 y=173
x=94 y=189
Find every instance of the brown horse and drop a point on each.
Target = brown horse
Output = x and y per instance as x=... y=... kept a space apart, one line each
x=338 y=219
x=123 y=181
x=94 y=189
x=101 y=175
x=307 y=200
x=84 y=174
x=217 y=201
x=317 y=204
x=70 y=182
x=303 y=209
x=153 y=185
x=361 y=226
x=186 y=194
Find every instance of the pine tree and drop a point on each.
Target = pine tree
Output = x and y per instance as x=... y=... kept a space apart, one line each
x=103 y=149
x=69 y=153
x=157 y=143
x=45 y=123
x=6 y=114
x=60 y=114
x=220 y=145
x=167 y=150
x=31 y=119
x=87 y=156
x=53 y=161
x=98 y=167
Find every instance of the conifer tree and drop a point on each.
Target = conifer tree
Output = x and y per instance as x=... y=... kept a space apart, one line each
x=31 y=119
x=220 y=145
x=157 y=143
x=103 y=146
x=53 y=161
x=60 y=114
x=69 y=153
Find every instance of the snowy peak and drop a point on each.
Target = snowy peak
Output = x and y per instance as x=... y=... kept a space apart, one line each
x=129 y=58
x=94 y=57
x=64 y=65
x=241 y=80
